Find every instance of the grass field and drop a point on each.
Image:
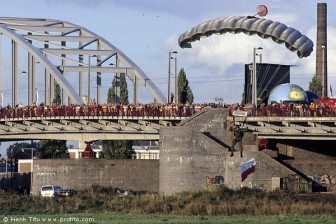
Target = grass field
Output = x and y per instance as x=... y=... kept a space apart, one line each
x=104 y=205
x=154 y=219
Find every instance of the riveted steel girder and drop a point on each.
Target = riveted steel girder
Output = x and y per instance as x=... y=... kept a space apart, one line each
x=58 y=39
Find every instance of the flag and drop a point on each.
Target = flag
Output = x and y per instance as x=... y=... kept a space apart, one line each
x=247 y=168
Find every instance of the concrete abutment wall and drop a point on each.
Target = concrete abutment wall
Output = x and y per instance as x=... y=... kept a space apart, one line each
x=138 y=175
x=193 y=157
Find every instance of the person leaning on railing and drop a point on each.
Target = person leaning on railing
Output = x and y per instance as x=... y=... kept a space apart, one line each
x=54 y=110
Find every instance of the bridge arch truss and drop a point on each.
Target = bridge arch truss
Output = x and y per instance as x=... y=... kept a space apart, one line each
x=63 y=48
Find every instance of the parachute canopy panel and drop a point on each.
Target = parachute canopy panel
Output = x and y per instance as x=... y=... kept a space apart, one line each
x=264 y=28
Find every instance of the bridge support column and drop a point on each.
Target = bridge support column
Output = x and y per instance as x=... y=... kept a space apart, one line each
x=135 y=90
x=52 y=89
x=15 y=90
x=63 y=93
x=80 y=76
x=117 y=82
x=1 y=103
x=31 y=80
x=47 y=88
x=98 y=97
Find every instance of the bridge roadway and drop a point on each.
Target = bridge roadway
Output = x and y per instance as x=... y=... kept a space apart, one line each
x=312 y=128
x=85 y=128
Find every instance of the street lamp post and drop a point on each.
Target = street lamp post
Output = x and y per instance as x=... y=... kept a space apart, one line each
x=1 y=98
x=89 y=81
x=89 y=78
x=254 y=77
x=260 y=58
x=176 y=84
x=115 y=89
x=169 y=58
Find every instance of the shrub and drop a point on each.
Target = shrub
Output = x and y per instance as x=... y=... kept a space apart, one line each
x=222 y=201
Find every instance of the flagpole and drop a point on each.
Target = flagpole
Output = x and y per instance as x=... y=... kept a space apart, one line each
x=1 y=98
x=331 y=95
x=37 y=96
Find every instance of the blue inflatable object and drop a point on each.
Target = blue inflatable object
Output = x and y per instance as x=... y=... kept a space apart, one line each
x=312 y=97
x=287 y=93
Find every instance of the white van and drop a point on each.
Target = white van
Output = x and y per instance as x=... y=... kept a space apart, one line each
x=50 y=190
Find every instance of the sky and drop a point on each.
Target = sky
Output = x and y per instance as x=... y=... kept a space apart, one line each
x=146 y=30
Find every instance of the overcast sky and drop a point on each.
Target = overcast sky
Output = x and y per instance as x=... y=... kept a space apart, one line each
x=146 y=30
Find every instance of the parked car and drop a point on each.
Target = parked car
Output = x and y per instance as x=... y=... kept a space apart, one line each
x=50 y=190
x=56 y=191
x=66 y=192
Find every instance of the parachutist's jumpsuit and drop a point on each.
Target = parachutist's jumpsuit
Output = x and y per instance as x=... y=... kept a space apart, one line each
x=238 y=136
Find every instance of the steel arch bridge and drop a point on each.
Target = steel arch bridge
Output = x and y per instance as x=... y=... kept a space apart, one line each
x=63 y=48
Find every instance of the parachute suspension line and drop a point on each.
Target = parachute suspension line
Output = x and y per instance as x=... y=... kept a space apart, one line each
x=283 y=77
x=272 y=77
x=258 y=74
x=280 y=63
x=264 y=77
x=266 y=72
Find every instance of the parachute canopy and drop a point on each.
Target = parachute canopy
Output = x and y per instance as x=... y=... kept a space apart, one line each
x=264 y=28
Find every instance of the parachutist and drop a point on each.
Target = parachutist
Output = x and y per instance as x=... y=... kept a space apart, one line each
x=238 y=137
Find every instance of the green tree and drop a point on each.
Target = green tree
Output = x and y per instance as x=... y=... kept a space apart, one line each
x=111 y=94
x=58 y=99
x=18 y=146
x=315 y=85
x=123 y=89
x=185 y=93
x=190 y=95
x=52 y=149
x=118 y=149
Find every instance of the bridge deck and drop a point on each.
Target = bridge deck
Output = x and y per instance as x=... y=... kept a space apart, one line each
x=88 y=128
x=313 y=128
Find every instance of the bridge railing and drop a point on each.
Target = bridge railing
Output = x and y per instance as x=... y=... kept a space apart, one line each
x=167 y=111
x=297 y=110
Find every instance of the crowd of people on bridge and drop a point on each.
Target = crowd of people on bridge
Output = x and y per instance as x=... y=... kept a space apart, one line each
x=94 y=109
x=286 y=109
x=164 y=110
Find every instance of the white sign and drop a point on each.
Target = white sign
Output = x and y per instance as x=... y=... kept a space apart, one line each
x=239 y=113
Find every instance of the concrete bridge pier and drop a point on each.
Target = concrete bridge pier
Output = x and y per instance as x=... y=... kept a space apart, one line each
x=195 y=157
